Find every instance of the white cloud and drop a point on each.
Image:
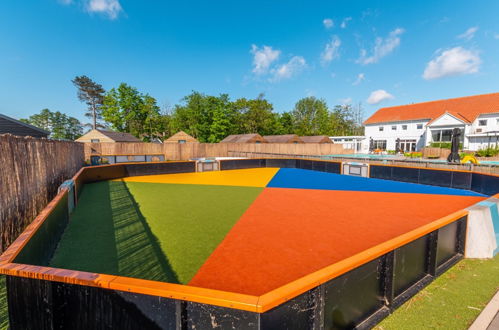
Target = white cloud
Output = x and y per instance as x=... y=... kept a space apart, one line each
x=360 y=78
x=346 y=101
x=111 y=8
x=331 y=51
x=285 y=71
x=382 y=47
x=469 y=34
x=379 y=96
x=328 y=23
x=263 y=58
x=345 y=22
x=451 y=62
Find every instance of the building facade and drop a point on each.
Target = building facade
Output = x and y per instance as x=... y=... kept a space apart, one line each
x=424 y=124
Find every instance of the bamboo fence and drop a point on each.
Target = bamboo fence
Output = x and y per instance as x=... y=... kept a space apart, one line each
x=31 y=170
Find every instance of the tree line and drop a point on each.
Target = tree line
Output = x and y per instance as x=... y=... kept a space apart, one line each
x=206 y=117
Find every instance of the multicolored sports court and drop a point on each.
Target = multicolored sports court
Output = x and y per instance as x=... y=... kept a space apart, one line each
x=262 y=241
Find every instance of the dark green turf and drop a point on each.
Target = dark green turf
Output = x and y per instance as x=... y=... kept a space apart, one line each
x=162 y=232
x=4 y=316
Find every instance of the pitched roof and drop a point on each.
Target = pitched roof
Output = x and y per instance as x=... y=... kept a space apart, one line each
x=18 y=127
x=316 y=139
x=466 y=108
x=181 y=135
x=286 y=138
x=243 y=138
x=119 y=136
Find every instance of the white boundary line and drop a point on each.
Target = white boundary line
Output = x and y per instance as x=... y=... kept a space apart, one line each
x=487 y=315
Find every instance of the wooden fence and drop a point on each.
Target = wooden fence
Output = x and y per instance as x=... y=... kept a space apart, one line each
x=429 y=152
x=31 y=170
x=186 y=151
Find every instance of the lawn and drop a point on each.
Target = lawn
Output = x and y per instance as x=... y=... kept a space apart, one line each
x=154 y=231
x=3 y=304
x=452 y=301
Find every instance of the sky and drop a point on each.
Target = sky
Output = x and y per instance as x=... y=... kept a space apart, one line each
x=379 y=53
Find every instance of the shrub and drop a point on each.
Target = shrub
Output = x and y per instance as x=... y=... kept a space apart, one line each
x=391 y=152
x=444 y=145
x=488 y=152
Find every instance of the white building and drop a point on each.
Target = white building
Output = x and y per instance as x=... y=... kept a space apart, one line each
x=418 y=125
x=349 y=142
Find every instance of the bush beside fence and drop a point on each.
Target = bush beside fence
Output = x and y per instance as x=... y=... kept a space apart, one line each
x=31 y=170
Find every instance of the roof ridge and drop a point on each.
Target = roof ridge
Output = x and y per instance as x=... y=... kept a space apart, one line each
x=441 y=100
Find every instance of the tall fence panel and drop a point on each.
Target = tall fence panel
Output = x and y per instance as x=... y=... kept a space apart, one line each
x=186 y=151
x=31 y=170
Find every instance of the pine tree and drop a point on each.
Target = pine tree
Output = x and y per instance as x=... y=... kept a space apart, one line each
x=92 y=94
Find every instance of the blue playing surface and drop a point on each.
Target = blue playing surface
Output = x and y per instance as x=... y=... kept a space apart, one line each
x=308 y=179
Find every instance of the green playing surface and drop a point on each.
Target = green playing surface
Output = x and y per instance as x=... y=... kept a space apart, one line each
x=154 y=231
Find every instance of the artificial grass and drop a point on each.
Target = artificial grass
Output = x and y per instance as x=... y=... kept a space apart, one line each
x=452 y=301
x=154 y=231
x=4 y=316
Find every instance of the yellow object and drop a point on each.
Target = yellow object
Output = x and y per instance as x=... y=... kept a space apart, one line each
x=255 y=177
x=469 y=159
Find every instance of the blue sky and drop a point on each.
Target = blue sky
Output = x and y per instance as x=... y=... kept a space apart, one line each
x=380 y=53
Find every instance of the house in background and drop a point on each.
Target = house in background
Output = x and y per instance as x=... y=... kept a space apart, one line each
x=316 y=139
x=16 y=127
x=287 y=138
x=354 y=142
x=418 y=125
x=101 y=135
x=181 y=137
x=244 y=138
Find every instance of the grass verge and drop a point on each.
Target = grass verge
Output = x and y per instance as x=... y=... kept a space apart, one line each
x=452 y=301
x=4 y=316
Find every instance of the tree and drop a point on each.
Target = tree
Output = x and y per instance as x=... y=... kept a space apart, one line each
x=255 y=115
x=58 y=124
x=93 y=95
x=127 y=110
x=311 y=117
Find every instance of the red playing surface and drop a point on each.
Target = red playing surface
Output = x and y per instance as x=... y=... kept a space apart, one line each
x=289 y=233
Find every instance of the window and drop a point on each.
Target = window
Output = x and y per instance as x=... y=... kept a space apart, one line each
x=444 y=135
x=394 y=128
x=381 y=128
x=379 y=144
x=182 y=141
x=482 y=122
x=404 y=127
x=497 y=121
x=419 y=126
x=94 y=140
x=407 y=145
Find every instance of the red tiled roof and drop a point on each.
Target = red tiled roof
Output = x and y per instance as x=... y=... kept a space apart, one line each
x=466 y=108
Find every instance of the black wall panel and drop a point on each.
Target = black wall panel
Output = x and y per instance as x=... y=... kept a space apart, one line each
x=447 y=242
x=333 y=167
x=282 y=163
x=299 y=313
x=476 y=182
x=380 y=172
x=405 y=174
x=352 y=297
x=159 y=168
x=318 y=165
x=304 y=164
x=409 y=265
x=435 y=178
x=234 y=164
x=461 y=180
x=202 y=316
x=490 y=185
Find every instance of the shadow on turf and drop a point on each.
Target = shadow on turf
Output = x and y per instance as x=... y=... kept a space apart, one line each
x=139 y=252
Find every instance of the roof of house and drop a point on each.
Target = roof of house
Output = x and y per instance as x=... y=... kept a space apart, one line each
x=242 y=138
x=466 y=108
x=119 y=136
x=181 y=135
x=286 y=138
x=16 y=127
x=316 y=139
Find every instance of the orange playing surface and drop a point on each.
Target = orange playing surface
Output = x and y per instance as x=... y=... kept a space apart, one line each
x=288 y=233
